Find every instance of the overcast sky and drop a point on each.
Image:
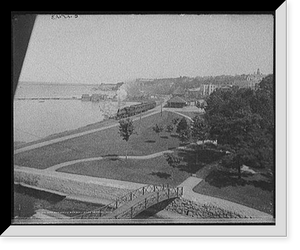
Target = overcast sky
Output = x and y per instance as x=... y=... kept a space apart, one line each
x=112 y=48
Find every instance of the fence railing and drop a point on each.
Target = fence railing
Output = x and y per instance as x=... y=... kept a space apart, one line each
x=149 y=201
x=159 y=193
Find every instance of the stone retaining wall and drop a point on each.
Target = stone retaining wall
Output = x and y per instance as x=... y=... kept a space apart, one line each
x=69 y=186
x=192 y=209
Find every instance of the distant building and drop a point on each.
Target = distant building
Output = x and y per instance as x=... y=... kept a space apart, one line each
x=176 y=102
x=228 y=87
x=98 y=97
x=85 y=97
x=250 y=81
x=200 y=92
x=195 y=93
x=118 y=85
x=108 y=86
x=254 y=79
x=209 y=88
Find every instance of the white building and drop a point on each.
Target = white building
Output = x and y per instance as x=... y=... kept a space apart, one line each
x=209 y=88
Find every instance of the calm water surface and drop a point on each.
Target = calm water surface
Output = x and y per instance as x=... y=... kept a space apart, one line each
x=36 y=119
x=27 y=201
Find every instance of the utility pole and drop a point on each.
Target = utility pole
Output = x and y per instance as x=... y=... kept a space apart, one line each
x=140 y=122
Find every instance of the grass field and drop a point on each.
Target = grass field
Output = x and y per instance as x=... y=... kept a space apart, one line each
x=151 y=171
x=252 y=190
x=104 y=143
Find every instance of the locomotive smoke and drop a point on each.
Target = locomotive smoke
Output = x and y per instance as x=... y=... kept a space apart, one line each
x=121 y=95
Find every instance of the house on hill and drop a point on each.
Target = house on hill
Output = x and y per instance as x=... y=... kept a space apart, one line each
x=98 y=97
x=176 y=102
x=108 y=86
x=250 y=81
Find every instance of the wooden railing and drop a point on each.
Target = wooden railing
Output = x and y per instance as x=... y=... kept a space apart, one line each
x=145 y=197
x=143 y=204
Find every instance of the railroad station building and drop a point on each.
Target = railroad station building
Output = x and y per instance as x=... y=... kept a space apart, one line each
x=176 y=102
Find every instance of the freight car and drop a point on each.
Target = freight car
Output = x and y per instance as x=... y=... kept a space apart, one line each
x=135 y=109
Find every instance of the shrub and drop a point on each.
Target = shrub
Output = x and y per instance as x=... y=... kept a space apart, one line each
x=172 y=159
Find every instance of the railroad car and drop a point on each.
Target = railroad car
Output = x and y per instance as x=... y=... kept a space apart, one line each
x=135 y=109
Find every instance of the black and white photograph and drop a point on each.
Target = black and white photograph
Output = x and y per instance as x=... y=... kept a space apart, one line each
x=146 y=119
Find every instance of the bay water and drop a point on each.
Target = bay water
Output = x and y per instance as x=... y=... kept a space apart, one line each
x=34 y=119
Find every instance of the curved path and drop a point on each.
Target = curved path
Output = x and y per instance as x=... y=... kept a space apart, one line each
x=178 y=113
x=188 y=186
x=248 y=212
x=141 y=157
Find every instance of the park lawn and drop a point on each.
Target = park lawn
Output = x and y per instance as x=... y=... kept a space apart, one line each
x=96 y=125
x=252 y=190
x=191 y=114
x=104 y=143
x=146 y=171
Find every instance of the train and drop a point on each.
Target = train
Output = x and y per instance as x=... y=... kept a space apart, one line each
x=135 y=109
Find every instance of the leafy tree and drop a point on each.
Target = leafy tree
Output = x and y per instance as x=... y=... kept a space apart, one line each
x=158 y=128
x=175 y=121
x=172 y=160
x=200 y=105
x=185 y=134
x=242 y=121
x=264 y=103
x=170 y=128
x=199 y=129
x=182 y=125
x=126 y=129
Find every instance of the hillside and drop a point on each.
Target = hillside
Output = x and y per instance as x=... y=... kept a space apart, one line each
x=166 y=86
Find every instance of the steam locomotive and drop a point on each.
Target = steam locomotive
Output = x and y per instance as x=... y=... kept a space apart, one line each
x=135 y=109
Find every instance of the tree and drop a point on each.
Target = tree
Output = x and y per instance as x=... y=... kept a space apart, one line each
x=126 y=129
x=175 y=121
x=183 y=130
x=182 y=125
x=185 y=134
x=158 y=128
x=200 y=105
x=170 y=128
x=264 y=103
x=242 y=120
x=172 y=160
x=199 y=131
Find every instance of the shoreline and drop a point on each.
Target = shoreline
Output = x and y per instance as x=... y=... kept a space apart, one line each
x=107 y=121
x=21 y=144
x=92 y=126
